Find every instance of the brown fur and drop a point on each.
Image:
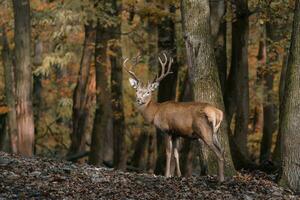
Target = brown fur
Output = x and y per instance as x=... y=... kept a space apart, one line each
x=193 y=120
x=179 y=116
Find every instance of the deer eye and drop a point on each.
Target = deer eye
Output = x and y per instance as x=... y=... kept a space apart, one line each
x=148 y=93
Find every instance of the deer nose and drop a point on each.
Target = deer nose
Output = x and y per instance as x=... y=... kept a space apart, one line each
x=139 y=101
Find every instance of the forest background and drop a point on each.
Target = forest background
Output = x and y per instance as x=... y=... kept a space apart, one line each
x=82 y=104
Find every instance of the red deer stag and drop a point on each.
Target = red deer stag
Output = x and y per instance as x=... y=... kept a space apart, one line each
x=195 y=120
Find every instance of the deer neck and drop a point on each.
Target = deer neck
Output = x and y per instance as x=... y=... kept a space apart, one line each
x=149 y=110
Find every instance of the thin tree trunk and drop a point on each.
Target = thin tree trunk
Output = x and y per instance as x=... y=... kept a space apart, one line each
x=152 y=153
x=119 y=143
x=81 y=96
x=289 y=123
x=186 y=154
x=167 y=87
x=240 y=34
x=276 y=156
x=203 y=69
x=273 y=34
x=3 y=132
x=101 y=144
x=37 y=83
x=258 y=121
x=120 y=152
x=152 y=51
x=10 y=93
x=24 y=111
x=218 y=31
x=139 y=158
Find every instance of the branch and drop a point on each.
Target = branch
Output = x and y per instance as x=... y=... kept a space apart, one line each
x=77 y=156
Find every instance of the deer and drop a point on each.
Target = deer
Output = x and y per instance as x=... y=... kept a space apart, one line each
x=194 y=120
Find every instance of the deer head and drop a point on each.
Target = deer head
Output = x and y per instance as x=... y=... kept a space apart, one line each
x=144 y=91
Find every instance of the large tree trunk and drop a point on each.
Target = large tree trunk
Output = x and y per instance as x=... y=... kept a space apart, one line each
x=237 y=91
x=82 y=96
x=203 y=69
x=167 y=87
x=101 y=144
x=23 y=77
x=119 y=143
x=10 y=92
x=289 y=123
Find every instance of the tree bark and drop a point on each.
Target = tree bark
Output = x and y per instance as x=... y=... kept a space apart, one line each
x=218 y=31
x=10 y=92
x=101 y=144
x=238 y=88
x=24 y=111
x=203 y=69
x=276 y=156
x=3 y=132
x=152 y=52
x=289 y=123
x=269 y=117
x=82 y=95
x=120 y=152
x=37 y=83
x=275 y=32
x=139 y=158
x=119 y=143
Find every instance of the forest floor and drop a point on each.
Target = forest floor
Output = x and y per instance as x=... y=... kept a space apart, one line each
x=42 y=178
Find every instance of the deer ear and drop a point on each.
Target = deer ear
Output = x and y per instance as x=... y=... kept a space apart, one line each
x=133 y=83
x=154 y=86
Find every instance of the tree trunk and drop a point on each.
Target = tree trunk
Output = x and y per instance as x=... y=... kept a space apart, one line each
x=152 y=153
x=23 y=77
x=167 y=87
x=203 y=69
x=37 y=83
x=276 y=156
x=218 y=31
x=152 y=52
x=274 y=35
x=120 y=152
x=186 y=153
x=119 y=143
x=82 y=96
x=3 y=132
x=139 y=158
x=10 y=92
x=237 y=90
x=101 y=144
x=289 y=123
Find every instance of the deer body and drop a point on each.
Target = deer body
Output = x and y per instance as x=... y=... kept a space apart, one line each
x=179 y=117
x=193 y=120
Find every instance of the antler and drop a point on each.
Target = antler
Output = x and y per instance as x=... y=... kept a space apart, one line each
x=129 y=70
x=163 y=65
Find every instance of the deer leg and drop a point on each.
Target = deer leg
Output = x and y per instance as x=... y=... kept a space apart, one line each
x=206 y=133
x=220 y=161
x=168 y=155
x=176 y=155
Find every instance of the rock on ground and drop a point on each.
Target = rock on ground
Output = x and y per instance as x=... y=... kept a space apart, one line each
x=42 y=178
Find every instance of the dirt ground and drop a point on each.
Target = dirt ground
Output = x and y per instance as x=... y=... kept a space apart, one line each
x=42 y=178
